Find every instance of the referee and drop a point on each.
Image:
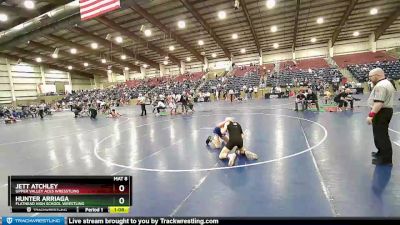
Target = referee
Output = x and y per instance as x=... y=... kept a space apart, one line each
x=381 y=103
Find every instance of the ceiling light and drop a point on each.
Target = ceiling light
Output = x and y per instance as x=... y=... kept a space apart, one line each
x=234 y=36
x=123 y=57
x=145 y=65
x=54 y=55
x=165 y=62
x=320 y=20
x=270 y=4
x=243 y=50
x=137 y=62
x=94 y=45
x=221 y=15
x=188 y=59
x=171 y=48
x=373 y=11
x=181 y=24
x=147 y=32
x=356 y=33
x=38 y=59
x=103 y=61
x=118 y=39
x=70 y=67
x=126 y=68
x=214 y=55
x=29 y=4
x=275 y=45
x=274 y=28
x=86 y=64
x=73 y=51
x=3 y=17
x=201 y=42
x=313 y=40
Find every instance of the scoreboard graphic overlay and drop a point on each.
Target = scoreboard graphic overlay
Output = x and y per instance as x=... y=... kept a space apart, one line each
x=75 y=194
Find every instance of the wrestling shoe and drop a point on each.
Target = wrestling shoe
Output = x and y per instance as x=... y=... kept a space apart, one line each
x=232 y=159
x=251 y=155
x=209 y=139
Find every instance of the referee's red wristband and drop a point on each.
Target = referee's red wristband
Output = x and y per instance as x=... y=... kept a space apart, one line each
x=371 y=114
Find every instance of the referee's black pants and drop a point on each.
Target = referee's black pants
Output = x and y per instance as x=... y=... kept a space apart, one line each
x=380 y=128
x=143 y=107
x=41 y=113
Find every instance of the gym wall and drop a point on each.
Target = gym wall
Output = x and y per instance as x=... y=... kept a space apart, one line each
x=25 y=79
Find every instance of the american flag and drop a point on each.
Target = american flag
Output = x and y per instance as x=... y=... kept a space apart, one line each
x=92 y=8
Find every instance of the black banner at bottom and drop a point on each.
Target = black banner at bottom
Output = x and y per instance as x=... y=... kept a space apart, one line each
x=212 y=221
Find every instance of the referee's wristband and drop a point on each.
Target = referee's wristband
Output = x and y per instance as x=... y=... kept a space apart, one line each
x=371 y=114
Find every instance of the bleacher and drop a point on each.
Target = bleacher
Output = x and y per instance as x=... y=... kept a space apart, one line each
x=233 y=82
x=362 y=58
x=241 y=71
x=176 y=87
x=286 y=65
x=157 y=85
x=361 y=71
x=304 y=64
x=211 y=85
x=141 y=89
x=250 y=80
x=315 y=63
x=133 y=83
x=185 y=82
x=303 y=71
x=189 y=76
x=303 y=77
x=265 y=69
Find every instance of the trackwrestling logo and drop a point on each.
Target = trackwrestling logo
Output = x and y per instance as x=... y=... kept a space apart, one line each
x=33 y=220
